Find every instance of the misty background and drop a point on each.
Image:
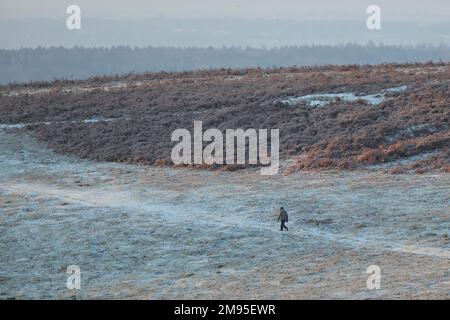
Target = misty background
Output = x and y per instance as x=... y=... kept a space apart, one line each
x=176 y=35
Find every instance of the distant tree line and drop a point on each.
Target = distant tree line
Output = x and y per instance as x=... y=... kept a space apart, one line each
x=44 y=64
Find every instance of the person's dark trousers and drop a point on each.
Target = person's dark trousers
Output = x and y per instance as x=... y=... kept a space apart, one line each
x=283 y=225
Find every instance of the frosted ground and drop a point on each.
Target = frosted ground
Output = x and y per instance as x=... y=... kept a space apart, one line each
x=323 y=99
x=156 y=233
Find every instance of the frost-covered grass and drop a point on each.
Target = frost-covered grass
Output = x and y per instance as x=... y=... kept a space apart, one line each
x=323 y=99
x=145 y=232
x=46 y=123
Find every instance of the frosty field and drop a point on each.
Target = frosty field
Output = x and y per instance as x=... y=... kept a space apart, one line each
x=163 y=233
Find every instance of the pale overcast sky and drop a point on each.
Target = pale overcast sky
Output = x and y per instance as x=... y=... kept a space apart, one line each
x=258 y=22
x=418 y=10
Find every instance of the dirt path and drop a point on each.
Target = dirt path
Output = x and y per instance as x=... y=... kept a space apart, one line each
x=122 y=199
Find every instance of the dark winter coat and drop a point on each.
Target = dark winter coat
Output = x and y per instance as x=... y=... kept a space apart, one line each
x=283 y=215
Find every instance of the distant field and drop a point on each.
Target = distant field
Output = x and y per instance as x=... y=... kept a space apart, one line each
x=395 y=117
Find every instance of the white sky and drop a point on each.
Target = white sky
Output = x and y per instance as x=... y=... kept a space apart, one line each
x=417 y=10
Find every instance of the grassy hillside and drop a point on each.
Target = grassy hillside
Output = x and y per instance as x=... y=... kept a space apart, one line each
x=131 y=118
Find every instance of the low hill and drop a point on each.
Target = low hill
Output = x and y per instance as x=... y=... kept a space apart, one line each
x=387 y=116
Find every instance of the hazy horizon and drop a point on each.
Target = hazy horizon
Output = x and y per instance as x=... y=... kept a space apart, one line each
x=400 y=10
x=203 y=23
x=174 y=32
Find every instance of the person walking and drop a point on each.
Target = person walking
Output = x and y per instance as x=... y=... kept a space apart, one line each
x=283 y=216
